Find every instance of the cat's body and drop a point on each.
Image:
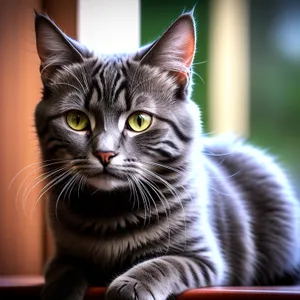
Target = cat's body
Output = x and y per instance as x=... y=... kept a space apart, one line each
x=156 y=211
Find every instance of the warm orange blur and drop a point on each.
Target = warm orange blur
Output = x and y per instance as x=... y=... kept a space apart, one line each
x=21 y=238
x=22 y=235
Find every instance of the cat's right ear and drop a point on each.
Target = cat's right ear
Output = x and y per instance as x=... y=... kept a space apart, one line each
x=174 y=51
x=54 y=47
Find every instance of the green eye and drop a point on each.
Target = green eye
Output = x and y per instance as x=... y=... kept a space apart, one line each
x=139 y=121
x=77 y=120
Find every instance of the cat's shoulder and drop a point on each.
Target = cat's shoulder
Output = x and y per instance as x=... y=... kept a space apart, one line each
x=238 y=149
x=240 y=155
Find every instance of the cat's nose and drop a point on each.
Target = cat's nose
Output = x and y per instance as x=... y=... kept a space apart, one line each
x=105 y=157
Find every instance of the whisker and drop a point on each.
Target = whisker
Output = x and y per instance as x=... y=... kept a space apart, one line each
x=80 y=185
x=137 y=86
x=32 y=164
x=84 y=78
x=199 y=76
x=143 y=198
x=134 y=75
x=29 y=174
x=68 y=84
x=157 y=192
x=67 y=69
x=219 y=192
x=135 y=195
x=178 y=171
x=225 y=177
x=216 y=154
x=131 y=195
x=173 y=192
x=48 y=187
x=71 y=186
x=60 y=195
x=51 y=63
x=26 y=193
x=209 y=133
x=79 y=178
x=200 y=63
x=151 y=198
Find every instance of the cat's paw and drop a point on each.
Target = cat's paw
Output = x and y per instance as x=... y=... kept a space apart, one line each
x=128 y=288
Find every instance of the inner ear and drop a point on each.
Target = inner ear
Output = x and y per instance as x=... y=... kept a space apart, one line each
x=174 y=50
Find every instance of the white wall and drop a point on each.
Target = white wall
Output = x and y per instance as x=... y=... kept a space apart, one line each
x=109 y=26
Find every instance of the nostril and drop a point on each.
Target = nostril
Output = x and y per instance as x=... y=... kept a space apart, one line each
x=105 y=157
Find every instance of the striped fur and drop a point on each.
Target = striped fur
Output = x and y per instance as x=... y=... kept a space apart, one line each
x=173 y=210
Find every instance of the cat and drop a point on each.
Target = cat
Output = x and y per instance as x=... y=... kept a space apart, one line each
x=139 y=199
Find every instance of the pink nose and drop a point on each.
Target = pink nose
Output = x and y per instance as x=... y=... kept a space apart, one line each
x=105 y=157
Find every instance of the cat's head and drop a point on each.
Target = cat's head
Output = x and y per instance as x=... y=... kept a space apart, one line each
x=118 y=120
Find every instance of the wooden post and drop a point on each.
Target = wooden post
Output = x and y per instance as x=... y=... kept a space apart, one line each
x=228 y=67
x=20 y=235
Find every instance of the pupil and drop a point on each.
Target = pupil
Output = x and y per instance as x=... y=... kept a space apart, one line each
x=140 y=120
x=77 y=120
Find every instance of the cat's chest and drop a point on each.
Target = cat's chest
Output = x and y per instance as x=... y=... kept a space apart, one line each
x=114 y=242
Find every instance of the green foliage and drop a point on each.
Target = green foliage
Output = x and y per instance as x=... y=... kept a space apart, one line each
x=157 y=15
x=275 y=74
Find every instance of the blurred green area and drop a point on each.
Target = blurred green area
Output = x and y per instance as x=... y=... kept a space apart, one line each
x=157 y=16
x=274 y=69
x=275 y=80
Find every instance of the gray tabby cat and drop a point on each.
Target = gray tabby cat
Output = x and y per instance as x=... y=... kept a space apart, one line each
x=139 y=200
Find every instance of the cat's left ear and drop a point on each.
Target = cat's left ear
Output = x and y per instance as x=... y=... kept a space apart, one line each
x=174 y=51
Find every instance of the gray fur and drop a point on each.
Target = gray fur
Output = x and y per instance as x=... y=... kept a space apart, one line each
x=178 y=210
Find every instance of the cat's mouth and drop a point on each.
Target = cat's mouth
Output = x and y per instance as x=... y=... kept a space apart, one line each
x=106 y=180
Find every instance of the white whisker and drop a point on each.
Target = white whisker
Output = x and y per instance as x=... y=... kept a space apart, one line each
x=32 y=164
x=68 y=84
x=73 y=181
x=59 y=196
x=135 y=195
x=143 y=197
x=45 y=188
x=150 y=197
x=178 y=171
x=27 y=192
x=28 y=175
x=67 y=69
x=161 y=198
x=48 y=187
x=80 y=185
x=173 y=192
x=84 y=78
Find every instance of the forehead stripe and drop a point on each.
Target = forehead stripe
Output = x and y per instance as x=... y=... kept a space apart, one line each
x=114 y=86
x=96 y=68
x=123 y=86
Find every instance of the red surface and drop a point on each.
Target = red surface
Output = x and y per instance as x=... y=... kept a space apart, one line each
x=28 y=287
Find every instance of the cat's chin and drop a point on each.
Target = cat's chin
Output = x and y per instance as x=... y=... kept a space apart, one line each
x=106 y=182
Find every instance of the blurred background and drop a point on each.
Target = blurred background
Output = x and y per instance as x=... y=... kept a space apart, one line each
x=246 y=81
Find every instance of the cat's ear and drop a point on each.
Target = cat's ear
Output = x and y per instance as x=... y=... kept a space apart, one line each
x=174 y=50
x=54 y=47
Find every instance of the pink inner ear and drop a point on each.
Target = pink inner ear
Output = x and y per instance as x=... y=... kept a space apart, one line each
x=187 y=41
x=174 y=50
x=190 y=49
x=188 y=55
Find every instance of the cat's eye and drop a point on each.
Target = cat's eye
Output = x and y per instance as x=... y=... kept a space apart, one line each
x=77 y=120
x=139 y=121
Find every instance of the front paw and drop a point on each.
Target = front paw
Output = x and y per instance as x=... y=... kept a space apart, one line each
x=129 y=288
